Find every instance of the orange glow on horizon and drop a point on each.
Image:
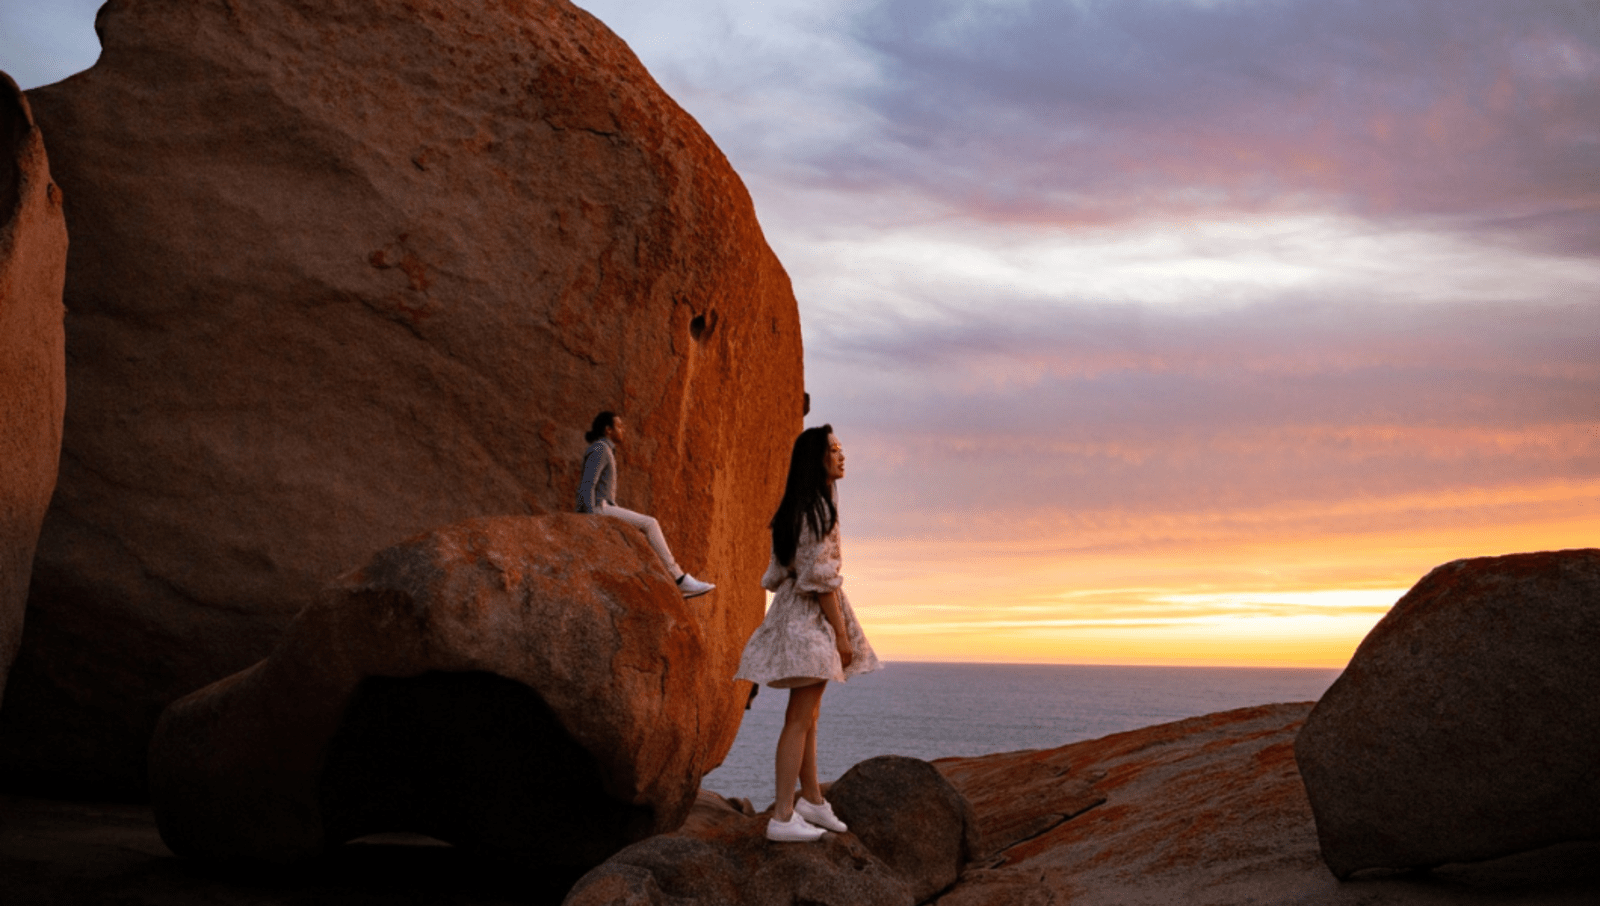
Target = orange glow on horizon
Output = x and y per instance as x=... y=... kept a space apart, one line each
x=1200 y=596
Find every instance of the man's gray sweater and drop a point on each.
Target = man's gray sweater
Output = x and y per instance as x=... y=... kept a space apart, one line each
x=599 y=476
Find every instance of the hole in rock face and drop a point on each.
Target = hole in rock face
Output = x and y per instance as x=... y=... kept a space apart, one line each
x=702 y=325
x=476 y=760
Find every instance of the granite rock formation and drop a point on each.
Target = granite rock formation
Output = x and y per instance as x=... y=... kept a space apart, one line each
x=523 y=684
x=1202 y=811
x=1205 y=812
x=910 y=833
x=1018 y=796
x=1208 y=811
x=346 y=270
x=33 y=390
x=1467 y=724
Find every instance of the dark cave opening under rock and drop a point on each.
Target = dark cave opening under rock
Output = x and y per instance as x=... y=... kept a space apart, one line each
x=475 y=760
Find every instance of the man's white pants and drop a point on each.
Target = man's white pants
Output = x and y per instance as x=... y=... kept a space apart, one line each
x=651 y=529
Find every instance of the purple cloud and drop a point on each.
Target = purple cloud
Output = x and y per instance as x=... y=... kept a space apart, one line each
x=1115 y=109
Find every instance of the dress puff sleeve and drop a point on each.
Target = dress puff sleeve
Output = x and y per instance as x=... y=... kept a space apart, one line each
x=817 y=561
x=776 y=574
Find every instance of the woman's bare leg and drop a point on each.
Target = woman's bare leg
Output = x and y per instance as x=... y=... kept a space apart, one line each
x=799 y=725
x=808 y=760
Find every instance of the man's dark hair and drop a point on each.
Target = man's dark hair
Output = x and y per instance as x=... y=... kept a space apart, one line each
x=601 y=422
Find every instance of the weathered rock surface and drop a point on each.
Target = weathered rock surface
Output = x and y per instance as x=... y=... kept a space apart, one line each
x=910 y=834
x=33 y=392
x=524 y=685
x=907 y=814
x=346 y=270
x=1018 y=796
x=1467 y=725
x=1208 y=811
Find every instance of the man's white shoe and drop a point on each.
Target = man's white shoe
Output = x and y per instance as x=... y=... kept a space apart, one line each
x=795 y=830
x=821 y=815
x=692 y=587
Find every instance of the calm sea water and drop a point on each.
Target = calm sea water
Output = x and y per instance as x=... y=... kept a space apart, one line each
x=936 y=710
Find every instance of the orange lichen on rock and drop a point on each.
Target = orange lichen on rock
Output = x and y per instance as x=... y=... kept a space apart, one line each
x=1199 y=802
x=1209 y=811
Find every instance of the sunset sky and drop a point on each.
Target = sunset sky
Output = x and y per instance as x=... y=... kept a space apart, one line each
x=1156 y=331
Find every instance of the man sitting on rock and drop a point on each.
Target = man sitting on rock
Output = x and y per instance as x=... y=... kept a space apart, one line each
x=597 y=494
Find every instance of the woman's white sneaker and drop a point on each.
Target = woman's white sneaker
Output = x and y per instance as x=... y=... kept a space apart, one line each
x=821 y=815
x=795 y=830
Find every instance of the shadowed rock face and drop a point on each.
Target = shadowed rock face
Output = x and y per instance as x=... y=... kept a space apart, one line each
x=346 y=270
x=33 y=257
x=1467 y=724
x=518 y=685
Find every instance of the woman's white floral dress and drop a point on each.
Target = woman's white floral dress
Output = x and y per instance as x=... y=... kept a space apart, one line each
x=794 y=645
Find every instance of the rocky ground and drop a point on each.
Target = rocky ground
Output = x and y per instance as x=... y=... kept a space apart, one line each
x=87 y=853
x=1203 y=811
x=1209 y=810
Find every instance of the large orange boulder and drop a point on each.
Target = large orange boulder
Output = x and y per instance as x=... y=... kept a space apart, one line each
x=1467 y=725
x=346 y=270
x=527 y=685
x=33 y=260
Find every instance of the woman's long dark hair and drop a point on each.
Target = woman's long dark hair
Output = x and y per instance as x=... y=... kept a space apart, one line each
x=806 y=497
x=601 y=422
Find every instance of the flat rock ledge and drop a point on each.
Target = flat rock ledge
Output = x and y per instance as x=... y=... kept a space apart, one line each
x=527 y=686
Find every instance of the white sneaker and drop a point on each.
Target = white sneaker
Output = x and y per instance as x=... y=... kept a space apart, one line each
x=820 y=815
x=692 y=587
x=795 y=830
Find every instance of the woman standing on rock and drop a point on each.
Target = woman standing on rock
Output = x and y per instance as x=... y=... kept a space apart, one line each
x=810 y=634
x=597 y=493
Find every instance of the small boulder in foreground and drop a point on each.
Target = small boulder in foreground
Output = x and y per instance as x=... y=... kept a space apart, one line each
x=526 y=686
x=909 y=816
x=1467 y=726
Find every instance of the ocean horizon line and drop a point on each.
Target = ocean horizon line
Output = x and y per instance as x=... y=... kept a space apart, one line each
x=1141 y=665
